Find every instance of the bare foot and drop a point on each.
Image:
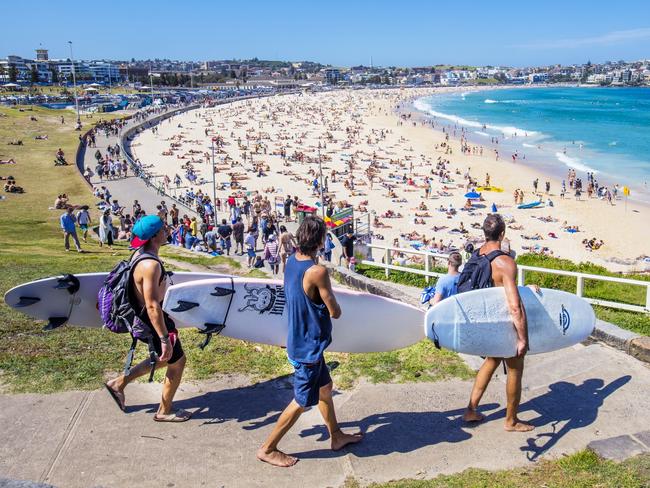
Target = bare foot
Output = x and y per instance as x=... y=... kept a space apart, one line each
x=519 y=426
x=340 y=440
x=276 y=458
x=473 y=416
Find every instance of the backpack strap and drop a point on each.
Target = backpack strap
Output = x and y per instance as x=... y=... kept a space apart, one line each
x=491 y=256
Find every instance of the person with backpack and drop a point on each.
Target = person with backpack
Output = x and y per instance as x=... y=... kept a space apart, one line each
x=489 y=266
x=147 y=283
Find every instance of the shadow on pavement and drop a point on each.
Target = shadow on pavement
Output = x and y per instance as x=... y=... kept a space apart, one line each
x=576 y=405
x=389 y=432
x=260 y=404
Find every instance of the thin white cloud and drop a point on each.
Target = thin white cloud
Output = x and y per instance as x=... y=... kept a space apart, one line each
x=614 y=37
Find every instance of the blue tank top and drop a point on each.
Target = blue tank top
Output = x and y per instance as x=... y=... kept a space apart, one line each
x=310 y=325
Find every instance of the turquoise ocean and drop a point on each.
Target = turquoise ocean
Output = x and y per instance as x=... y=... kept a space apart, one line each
x=601 y=130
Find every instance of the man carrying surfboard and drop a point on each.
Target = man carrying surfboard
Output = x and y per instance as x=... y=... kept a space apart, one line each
x=311 y=304
x=149 y=283
x=503 y=273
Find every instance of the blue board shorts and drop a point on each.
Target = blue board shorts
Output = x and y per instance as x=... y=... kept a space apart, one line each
x=308 y=378
x=83 y=227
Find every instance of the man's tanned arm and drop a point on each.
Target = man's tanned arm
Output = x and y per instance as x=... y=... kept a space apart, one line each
x=152 y=294
x=321 y=280
x=508 y=270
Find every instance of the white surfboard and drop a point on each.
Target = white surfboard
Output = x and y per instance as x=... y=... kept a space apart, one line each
x=65 y=301
x=254 y=310
x=479 y=322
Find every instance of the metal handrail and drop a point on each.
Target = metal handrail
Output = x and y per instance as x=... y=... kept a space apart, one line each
x=521 y=272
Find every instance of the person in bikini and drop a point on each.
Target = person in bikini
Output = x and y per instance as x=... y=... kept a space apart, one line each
x=311 y=306
x=148 y=288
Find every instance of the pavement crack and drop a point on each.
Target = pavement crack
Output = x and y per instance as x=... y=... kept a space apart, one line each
x=68 y=435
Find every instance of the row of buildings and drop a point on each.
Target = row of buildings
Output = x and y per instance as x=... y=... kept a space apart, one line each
x=42 y=69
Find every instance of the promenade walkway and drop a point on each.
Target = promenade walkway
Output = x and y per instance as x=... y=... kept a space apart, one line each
x=80 y=439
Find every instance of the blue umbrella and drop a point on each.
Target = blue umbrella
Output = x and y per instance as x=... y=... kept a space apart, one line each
x=494 y=208
x=473 y=195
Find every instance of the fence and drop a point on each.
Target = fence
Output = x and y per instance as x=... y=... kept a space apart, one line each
x=429 y=261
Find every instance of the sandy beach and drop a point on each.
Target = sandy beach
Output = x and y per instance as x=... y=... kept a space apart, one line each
x=376 y=154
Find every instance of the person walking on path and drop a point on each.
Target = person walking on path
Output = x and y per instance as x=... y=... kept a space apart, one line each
x=106 y=229
x=238 y=234
x=69 y=229
x=272 y=253
x=84 y=221
x=148 y=286
x=503 y=273
x=311 y=306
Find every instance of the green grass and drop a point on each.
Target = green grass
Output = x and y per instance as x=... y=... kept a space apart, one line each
x=618 y=292
x=583 y=469
x=208 y=261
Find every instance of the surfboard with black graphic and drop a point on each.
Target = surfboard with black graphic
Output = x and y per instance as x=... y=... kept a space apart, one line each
x=254 y=310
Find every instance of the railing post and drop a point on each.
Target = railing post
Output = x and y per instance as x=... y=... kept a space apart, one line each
x=647 y=299
x=520 y=276
x=580 y=286
x=427 y=267
x=387 y=261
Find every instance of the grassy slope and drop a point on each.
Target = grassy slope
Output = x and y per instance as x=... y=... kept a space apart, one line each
x=581 y=470
x=31 y=248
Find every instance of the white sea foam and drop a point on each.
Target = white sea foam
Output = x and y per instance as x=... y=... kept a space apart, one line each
x=528 y=145
x=480 y=133
x=574 y=163
x=613 y=143
x=488 y=100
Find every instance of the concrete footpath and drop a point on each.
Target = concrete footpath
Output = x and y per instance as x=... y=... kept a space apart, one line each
x=80 y=439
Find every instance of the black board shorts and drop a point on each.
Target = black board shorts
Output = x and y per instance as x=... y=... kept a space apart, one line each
x=177 y=350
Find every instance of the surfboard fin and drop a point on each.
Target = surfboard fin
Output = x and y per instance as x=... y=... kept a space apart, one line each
x=209 y=330
x=27 y=301
x=222 y=292
x=184 y=306
x=68 y=282
x=55 y=323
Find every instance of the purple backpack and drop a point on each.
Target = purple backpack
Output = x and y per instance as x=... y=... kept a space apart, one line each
x=118 y=313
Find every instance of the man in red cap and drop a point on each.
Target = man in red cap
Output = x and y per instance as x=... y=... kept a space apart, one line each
x=148 y=286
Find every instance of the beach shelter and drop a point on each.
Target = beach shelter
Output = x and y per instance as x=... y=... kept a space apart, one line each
x=12 y=86
x=472 y=195
x=494 y=208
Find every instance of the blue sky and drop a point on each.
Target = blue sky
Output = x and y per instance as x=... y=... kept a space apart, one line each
x=404 y=33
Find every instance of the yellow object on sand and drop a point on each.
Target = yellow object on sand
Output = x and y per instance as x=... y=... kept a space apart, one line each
x=489 y=188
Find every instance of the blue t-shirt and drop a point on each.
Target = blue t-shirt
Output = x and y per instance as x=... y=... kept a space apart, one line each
x=447 y=285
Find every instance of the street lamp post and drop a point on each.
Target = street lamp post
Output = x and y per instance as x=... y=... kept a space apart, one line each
x=322 y=194
x=214 y=184
x=74 y=83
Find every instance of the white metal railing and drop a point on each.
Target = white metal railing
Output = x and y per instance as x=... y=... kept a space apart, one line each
x=429 y=259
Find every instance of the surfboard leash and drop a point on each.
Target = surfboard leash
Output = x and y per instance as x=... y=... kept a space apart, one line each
x=210 y=328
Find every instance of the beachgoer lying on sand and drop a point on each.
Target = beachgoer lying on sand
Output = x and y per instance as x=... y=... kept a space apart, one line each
x=41 y=138
x=7 y=161
x=534 y=237
x=515 y=227
x=592 y=244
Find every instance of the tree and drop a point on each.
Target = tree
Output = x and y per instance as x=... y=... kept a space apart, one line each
x=13 y=73
x=55 y=75
x=33 y=75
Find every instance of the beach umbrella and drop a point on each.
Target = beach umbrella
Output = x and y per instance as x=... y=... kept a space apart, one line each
x=473 y=195
x=494 y=208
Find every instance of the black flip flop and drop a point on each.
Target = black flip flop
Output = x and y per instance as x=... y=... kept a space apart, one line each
x=115 y=397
